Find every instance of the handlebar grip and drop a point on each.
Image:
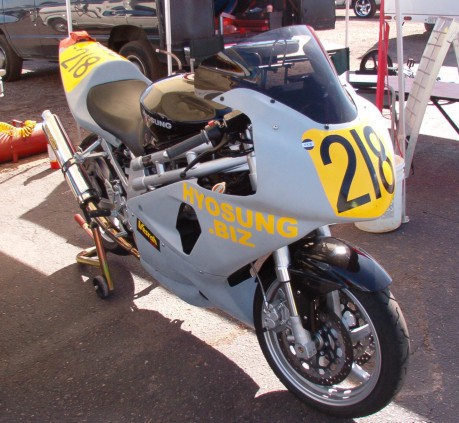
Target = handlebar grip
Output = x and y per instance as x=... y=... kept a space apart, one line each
x=186 y=145
x=210 y=134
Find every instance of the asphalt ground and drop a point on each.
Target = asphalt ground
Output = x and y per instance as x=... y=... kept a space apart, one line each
x=145 y=356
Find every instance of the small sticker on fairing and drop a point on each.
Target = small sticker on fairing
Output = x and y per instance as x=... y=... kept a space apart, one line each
x=148 y=235
x=308 y=144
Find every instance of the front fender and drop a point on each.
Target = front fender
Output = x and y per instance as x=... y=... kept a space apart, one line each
x=325 y=264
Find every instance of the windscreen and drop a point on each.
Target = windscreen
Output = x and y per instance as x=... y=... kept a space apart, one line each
x=288 y=65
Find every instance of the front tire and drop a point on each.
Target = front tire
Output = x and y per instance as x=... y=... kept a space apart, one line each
x=362 y=363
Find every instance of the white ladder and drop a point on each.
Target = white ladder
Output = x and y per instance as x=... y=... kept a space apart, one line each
x=445 y=32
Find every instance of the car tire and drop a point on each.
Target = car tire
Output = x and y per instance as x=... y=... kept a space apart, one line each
x=142 y=55
x=59 y=25
x=364 y=8
x=9 y=61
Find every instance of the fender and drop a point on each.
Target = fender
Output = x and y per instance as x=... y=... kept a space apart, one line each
x=325 y=264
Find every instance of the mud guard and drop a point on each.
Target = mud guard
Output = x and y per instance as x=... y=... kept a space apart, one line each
x=325 y=264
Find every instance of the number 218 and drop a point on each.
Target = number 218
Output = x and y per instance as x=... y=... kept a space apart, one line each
x=344 y=203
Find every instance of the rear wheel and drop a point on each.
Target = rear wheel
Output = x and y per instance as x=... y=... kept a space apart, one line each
x=141 y=54
x=361 y=358
x=9 y=61
x=103 y=179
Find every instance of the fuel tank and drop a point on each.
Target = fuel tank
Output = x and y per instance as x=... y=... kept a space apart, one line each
x=173 y=112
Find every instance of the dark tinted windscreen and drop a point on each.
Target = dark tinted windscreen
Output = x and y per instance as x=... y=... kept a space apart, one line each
x=289 y=66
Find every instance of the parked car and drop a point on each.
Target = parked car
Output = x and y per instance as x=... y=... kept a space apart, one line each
x=32 y=29
x=362 y=8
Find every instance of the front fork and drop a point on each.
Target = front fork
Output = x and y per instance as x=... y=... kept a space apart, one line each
x=305 y=346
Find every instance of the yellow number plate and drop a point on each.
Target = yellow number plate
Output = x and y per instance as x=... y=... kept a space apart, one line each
x=356 y=168
x=77 y=61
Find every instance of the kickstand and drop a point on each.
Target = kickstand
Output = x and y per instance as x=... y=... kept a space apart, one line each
x=96 y=256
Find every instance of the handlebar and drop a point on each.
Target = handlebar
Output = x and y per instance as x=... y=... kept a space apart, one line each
x=211 y=133
x=234 y=121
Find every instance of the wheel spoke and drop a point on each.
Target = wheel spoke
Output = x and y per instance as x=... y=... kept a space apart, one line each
x=360 y=333
x=359 y=373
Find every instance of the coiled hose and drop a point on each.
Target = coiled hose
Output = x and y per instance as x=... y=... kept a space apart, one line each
x=22 y=132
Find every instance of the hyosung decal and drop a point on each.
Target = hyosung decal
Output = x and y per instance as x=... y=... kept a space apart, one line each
x=238 y=224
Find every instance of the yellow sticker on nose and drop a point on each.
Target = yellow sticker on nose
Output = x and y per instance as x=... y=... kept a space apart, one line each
x=356 y=168
x=77 y=61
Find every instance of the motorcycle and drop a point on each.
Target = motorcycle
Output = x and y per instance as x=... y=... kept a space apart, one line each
x=223 y=183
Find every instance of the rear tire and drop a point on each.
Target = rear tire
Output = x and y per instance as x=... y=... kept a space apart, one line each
x=99 y=172
x=363 y=370
x=9 y=61
x=141 y=54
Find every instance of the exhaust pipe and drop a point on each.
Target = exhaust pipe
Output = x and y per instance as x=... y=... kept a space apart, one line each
x=77 y=180
x=65 y=155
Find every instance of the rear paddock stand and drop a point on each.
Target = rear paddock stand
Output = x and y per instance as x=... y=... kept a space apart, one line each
x=96 y=256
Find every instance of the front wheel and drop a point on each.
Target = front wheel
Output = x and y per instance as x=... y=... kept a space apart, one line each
x=362 y=355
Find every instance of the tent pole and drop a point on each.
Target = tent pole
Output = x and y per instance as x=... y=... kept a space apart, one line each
x=68 y=11
x=401 y=130
x=346 y=38
x=167 y=23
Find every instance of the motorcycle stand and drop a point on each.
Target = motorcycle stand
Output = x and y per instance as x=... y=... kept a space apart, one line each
x=96 y=256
